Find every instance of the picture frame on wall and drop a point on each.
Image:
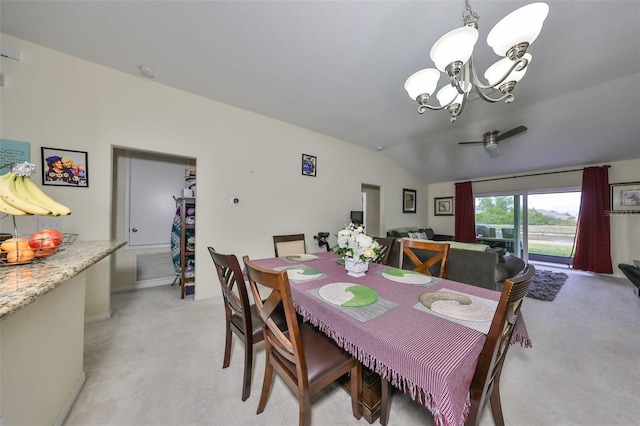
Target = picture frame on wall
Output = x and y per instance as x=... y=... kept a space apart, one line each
x=65 y=167
x=409 y=200
x=309 y=165
x=625 y=197
x=443 y=206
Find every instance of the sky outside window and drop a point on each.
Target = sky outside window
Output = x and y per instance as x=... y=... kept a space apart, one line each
x=561 y=202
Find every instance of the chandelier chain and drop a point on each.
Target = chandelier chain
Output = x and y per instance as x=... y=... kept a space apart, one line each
x=469 y=17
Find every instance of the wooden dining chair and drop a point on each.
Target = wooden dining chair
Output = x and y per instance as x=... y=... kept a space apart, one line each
x=439 y=255
x=486 y=378
x=241 y=316
x=305 y=358
x=286 y=245
x=386 y=247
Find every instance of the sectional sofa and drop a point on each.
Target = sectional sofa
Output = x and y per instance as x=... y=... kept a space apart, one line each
x=475 y=264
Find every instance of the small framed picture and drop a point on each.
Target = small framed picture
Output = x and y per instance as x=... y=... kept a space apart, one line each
x=443 y=206
x=625 y=197
x=408 y=200
x=309 y=165
x=64 y=167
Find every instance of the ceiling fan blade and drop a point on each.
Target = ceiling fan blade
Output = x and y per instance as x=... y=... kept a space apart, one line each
x=511 y=133
x=470 y=143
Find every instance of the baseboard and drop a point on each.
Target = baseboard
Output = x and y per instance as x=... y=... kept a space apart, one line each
x=100 y=317
x=72 y=398
x=144 y=284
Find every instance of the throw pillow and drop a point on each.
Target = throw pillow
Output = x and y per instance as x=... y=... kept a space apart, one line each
x=499 y=251
x=418 y=235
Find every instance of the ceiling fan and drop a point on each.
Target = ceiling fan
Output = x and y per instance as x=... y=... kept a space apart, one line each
x=490 y=139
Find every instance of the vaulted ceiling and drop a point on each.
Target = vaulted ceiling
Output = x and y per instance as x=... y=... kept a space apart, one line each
x=338 y=68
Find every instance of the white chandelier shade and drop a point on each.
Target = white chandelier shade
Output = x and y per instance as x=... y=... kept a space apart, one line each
x=453 y=54
x=454 y=46
x=448 y=95
x=497 y=71
x=520 y=26
x=423 y=81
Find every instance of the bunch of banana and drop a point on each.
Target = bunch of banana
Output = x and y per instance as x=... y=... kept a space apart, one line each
x=19 y=196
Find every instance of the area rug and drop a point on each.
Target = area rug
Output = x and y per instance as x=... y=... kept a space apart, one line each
x=546 y=284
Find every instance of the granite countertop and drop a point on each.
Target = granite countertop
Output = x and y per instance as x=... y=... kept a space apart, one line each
x=21 y=285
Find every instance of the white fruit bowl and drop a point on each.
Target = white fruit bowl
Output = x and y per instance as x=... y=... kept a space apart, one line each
x=41 y=254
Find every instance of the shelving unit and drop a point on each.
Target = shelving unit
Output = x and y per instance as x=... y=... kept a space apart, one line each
x=187 y=249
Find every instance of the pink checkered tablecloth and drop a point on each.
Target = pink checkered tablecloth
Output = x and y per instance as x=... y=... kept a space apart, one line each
x=429 y=357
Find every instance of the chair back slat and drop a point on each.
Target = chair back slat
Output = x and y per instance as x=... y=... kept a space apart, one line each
x=286 y=342
x=286 y=245
x=386 y=247
x=234 y=290
x=439 y=255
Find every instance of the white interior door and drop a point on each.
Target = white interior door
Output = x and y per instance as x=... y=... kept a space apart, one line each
x=153 y=182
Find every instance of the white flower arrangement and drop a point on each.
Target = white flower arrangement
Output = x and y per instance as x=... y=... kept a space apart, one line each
x=353 y=243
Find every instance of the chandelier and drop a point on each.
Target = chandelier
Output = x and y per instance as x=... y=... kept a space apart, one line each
x=453 y=54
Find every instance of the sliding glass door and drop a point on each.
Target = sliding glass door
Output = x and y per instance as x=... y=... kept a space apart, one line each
x=552 y=221
x=499 y=222
x=533 y=226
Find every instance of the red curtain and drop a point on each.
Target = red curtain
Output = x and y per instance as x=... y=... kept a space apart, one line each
x=465 y=213
x=593 y=243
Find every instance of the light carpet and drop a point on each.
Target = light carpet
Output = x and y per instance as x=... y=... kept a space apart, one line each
x=158 y=361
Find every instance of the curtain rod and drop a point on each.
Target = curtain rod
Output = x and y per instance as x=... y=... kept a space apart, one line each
x=534 y=174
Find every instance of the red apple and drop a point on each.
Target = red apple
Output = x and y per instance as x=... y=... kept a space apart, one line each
x=45 y=242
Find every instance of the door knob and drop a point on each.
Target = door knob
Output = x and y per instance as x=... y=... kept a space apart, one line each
x=134 y=230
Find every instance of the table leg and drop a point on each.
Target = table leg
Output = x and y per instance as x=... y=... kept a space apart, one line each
x=371 y=394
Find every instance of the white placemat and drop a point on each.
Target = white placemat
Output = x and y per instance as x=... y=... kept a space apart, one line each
x=406 y=277
x=302 y=257
x=361 y=313
x=481 y=326
x=301 y=273
x=348 y=294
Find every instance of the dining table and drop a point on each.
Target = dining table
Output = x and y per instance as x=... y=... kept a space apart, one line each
x=429 y=354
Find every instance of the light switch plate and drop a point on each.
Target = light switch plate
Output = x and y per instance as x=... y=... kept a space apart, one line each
x=50 y=223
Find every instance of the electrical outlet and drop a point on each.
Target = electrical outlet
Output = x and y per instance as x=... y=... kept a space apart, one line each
x=50 y=223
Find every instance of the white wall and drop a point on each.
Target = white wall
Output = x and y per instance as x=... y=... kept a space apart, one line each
x=625 y=229
x=55 y=100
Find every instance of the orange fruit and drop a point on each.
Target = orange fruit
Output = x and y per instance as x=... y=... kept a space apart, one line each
x=20 y=256
x=15 y=244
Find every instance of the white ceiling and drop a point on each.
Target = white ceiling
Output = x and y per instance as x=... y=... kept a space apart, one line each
x=338 y=68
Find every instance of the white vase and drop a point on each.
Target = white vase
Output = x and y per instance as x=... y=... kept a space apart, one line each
x=355 y=268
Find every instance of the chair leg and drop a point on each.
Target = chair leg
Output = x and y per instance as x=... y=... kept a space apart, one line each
x=266 y=385
x=356 y=390
x=385 y=406
x=305 y=408
x=227 y=347
x=494 y=399
x=248 y=367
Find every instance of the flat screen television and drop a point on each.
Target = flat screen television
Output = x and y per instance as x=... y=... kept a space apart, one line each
x=357 y=217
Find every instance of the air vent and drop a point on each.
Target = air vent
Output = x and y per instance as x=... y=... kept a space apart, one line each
x=10 y=52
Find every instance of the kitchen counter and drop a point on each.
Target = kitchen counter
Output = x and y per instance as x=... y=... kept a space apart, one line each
x=42 y=315
x=21 y=285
